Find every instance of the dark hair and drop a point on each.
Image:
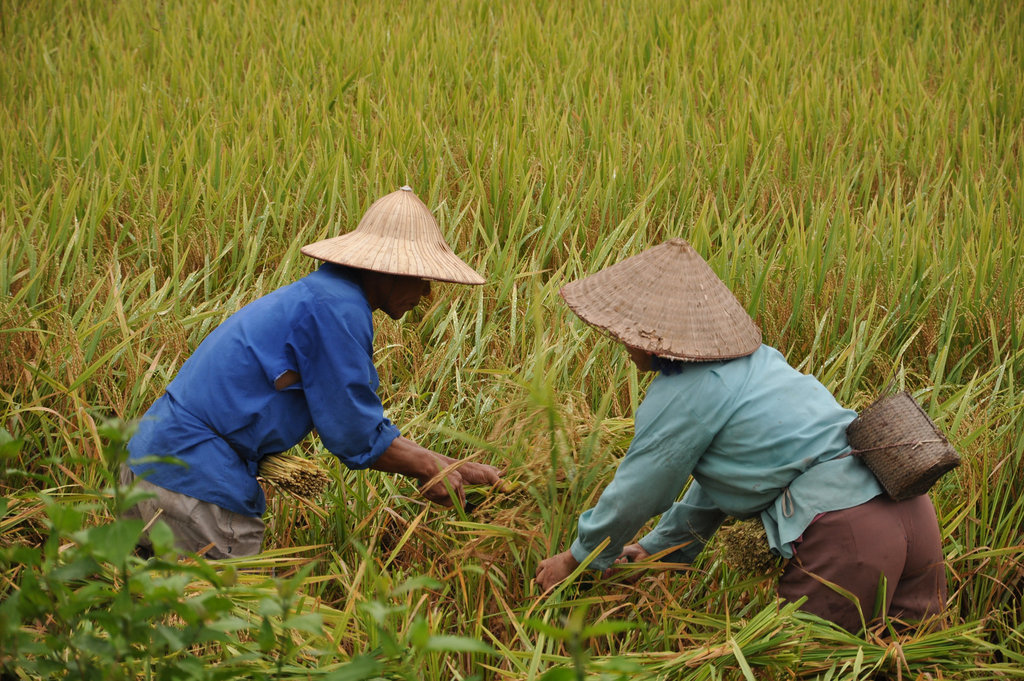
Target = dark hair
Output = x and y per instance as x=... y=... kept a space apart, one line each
x=667 y=365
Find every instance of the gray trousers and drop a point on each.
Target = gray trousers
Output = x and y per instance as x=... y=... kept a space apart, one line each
x=196 y=524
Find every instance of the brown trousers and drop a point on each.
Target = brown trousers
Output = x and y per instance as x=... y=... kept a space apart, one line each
x=886 y=553
x=196 y=524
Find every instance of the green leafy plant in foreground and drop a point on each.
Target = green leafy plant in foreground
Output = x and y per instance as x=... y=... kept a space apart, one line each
x=85 y=606
x=574 y=633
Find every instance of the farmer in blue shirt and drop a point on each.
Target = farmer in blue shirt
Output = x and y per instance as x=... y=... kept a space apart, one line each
x=295 y=360
x=757 y=437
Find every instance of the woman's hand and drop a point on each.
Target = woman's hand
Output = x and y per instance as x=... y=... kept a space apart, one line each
x=555 y=569
x=630 y=554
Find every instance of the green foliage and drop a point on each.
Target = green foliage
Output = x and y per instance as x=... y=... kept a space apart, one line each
x=574 y=633
x=84 y=606
x=409 y=654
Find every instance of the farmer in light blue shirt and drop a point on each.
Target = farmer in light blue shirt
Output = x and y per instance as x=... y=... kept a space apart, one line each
x=295 y=360
x=758 y=439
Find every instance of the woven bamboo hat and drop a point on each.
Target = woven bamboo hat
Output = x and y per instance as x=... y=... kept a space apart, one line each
x=666 y=301
x=397 y=235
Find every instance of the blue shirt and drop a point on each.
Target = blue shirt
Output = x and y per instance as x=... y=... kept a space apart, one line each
x=758 y=437
x=221 y=414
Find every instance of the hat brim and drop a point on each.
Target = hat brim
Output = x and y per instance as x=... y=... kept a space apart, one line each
x=394 y=256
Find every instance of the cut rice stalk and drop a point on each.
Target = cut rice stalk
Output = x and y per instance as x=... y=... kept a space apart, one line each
x=294 y=474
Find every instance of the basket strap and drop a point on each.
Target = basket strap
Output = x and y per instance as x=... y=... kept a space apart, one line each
x=911 y=443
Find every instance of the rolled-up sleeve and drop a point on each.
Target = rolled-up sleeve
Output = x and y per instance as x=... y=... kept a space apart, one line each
x=334 y=352
x=669 y=441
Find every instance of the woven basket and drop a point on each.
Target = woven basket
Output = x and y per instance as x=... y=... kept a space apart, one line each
x=901 y=446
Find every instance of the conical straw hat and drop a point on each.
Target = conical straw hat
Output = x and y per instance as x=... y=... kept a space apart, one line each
x=666 y=301
x=397 y=235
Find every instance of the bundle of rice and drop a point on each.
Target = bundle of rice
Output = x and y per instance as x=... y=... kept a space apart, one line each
x=294 y=474
x=744 y=547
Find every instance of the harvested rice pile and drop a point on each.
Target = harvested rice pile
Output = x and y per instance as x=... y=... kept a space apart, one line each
x=744 y=547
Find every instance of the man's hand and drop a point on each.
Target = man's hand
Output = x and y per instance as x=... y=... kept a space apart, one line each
x=555 y=569
x=460 y=473
x=473 y=473
x=441 y=478
x=630 y=554
x=444 y=487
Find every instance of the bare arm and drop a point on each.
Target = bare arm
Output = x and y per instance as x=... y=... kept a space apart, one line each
x=408 y=458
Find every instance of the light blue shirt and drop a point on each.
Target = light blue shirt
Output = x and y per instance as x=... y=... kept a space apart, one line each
x=221 y=414
x=758 y=437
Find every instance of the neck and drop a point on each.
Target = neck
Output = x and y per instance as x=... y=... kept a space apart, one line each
x=372 y=284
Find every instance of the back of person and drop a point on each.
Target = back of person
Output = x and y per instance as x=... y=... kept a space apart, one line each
x=767 y=422
x=758 y=436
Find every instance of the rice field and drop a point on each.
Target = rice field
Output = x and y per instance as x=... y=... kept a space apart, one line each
x=853 y=171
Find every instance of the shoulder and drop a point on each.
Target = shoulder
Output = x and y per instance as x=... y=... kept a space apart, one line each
x=694 y=376
x=768 y=368
x=333 y=290
x=332 y=281
x=713 y=389
x=699 y=388
x=330 y=303
x=764 y=364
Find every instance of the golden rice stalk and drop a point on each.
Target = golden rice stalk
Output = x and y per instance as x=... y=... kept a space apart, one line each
x=294 y=474
x=477 y=495
x=744 y=547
